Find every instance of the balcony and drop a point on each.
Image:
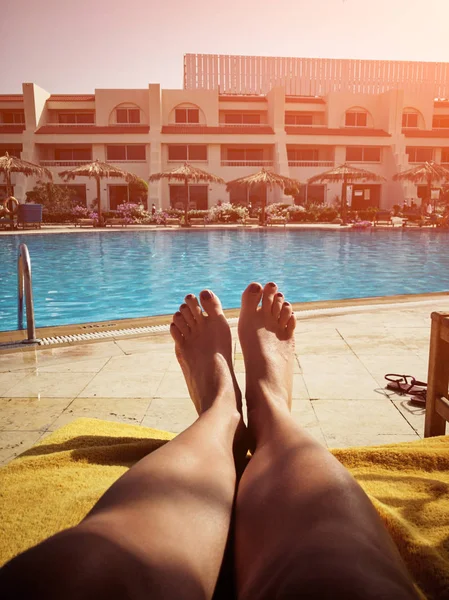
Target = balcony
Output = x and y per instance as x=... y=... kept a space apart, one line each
x=64 y=163
x=247 y=163
x=311 y=163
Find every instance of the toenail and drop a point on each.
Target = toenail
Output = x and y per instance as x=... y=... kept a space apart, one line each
x=178 y=314
x=286 y=303
x=189 y=296
x=271 y=284
x=183 y=306
x=279 y=295
x=255 y=287
x=206 y=295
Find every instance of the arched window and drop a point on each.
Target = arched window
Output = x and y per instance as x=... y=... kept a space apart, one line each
x=356 y=117
x=410 y=118
x=127 y=113
x=187 y=114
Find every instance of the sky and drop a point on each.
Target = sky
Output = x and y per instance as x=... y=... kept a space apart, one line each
x=75 y=46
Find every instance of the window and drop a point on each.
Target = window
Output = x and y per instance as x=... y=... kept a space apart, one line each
x=128 y=115
x=302 y=154
x=445 y=155
x=245 y=154
x=182 y=153
x=356 y=119
x=76 y=117
x=187 y=115
x=64 y=154
x=360 y=154
x=11 y=151
x=419 y=155
x=298 y=119
x=409 y=119
x=131 y=153
x=13 y=117
x=440 y=122
x=242 y=118
x=198 y=196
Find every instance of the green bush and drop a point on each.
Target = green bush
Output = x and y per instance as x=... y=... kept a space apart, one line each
x=326 y=215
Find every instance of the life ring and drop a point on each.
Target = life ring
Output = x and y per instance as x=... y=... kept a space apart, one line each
x=15 y=202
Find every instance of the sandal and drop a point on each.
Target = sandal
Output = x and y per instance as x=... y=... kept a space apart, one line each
x=406 y=384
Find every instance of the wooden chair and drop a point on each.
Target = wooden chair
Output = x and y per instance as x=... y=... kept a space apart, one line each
x=437 y=402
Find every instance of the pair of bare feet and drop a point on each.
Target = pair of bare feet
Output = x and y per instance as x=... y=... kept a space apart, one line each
x=203 y=346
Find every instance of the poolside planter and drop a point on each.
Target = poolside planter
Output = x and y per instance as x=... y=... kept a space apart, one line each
x=29 y=214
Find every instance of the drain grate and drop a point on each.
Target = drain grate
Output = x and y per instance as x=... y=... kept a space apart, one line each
x=116 y=333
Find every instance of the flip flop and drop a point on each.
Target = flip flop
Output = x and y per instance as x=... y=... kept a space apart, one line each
x=406 y=384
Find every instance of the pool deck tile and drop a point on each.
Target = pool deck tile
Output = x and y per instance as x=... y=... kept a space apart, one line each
x=339 y=390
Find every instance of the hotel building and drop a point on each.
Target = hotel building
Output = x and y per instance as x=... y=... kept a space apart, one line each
x=235 y=115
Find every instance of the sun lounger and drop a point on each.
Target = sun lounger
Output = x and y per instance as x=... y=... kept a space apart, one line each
x=114 y=222
x=198 y=221
x=277 y=221
x=437 y=401
x=84 y=223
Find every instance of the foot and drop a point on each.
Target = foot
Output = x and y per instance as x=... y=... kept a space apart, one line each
x=203 y=346
x=267 y=338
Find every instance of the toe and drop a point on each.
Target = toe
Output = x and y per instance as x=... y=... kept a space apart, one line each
x=286 y=313
x=195 y=308
x=291 y=324
x=187 y=314
x=251 y=297
x=211 y=303
x=181 y=324
x=176 y=334
x=268 y=296
x=277 y=305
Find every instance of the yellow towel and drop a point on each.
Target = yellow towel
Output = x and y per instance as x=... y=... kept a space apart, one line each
x=54 y=484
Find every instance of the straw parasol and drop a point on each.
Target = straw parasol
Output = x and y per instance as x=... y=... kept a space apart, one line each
x=98 y=170
x=345 y=173
x=429 y=173
x=187 y=174
x=11 y=164
x=266 y=179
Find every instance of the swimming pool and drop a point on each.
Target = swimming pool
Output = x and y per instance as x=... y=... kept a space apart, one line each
x=82 y=277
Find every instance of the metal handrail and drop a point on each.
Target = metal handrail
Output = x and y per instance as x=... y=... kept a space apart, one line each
x=25 y=284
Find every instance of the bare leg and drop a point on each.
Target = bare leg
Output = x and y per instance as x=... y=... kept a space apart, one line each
x=304 y=527
x=160 y=531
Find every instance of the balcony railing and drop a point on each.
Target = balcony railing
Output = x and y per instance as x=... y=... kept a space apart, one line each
x=244 y=125
x=305 y=125
x=64 y=163
x=311 y=163
x=128 y=160
x=70 y=124
x=246 y=163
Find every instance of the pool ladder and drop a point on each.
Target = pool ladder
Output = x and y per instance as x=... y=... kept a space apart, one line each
x=25 y=286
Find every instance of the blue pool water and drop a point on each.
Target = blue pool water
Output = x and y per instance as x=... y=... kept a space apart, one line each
x=101 y=276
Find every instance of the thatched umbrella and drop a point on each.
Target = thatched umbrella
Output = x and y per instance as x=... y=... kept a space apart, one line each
x=11 y=164
x=345 y=173
x=187 y=174
x=429 y=173
x=98 y=170
x=267 y=180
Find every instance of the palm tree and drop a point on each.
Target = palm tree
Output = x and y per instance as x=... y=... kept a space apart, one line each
x=345 y=173
x=430 y=173
x=267 y=180
x=12 y=164
x=187 y=174
x=98 y=170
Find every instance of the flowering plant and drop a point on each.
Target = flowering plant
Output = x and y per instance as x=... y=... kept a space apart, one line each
x=227 y=212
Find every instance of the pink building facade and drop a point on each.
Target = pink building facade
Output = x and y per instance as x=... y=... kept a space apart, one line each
x=298 y=117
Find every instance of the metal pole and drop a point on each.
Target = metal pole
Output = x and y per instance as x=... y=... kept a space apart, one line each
x=25 y=285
